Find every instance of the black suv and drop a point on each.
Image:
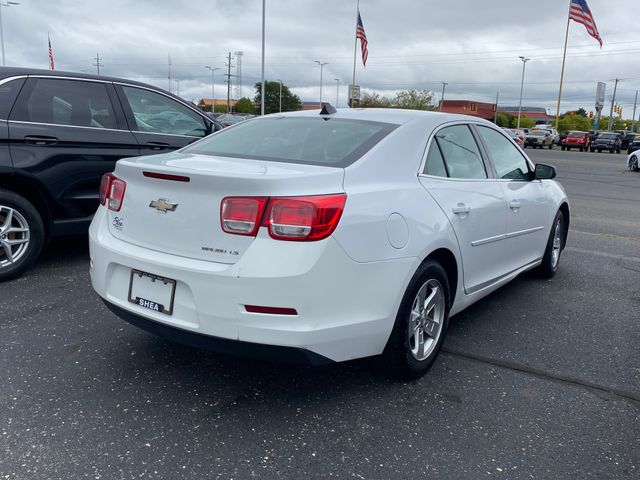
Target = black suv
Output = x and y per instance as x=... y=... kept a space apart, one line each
x=607 y=141
x=59 y=133
x=634 y=144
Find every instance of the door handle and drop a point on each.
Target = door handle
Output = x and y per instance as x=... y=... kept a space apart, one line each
x=514 y=204
x=40 y=140
x=157 y=145
x=461 y=209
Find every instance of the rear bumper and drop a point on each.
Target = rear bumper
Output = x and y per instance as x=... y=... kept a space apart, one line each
x=345 y=309
x=221 y=345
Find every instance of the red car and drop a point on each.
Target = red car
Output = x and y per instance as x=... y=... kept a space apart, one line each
x=579 y=140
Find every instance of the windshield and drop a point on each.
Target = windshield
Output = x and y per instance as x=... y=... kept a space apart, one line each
x=307 y=140
x=608 y=136
x=576 y=134
x=538 y=133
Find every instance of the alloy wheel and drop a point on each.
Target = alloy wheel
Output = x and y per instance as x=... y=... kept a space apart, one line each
x=426 y=320
x=14 y=236
x=557 y=245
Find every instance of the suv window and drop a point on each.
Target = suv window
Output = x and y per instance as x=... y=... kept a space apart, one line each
x=460 y=151
x=509 y=162
x=65 y=102
x=8 y=93
x=157 y=113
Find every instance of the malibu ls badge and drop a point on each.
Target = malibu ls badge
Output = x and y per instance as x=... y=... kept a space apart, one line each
x=163 y=205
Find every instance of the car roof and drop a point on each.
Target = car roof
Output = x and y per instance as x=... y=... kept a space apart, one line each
x=6 y=72
x=395 y=116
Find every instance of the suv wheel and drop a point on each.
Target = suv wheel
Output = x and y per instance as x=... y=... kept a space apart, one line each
x=21 y=235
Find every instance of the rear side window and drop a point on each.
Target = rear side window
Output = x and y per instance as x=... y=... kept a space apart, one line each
x=314 y=141
x=8 y=93
x=460 y=151
x=435 y=163
x=157 y=113
x=65 y=102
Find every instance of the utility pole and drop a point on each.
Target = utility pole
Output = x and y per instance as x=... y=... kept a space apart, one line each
x=635 y=104
x=169 y=75
x=613 y=101
x=7 y=4
x=524 y=64
x=495 y=114
x=337 y=90
x=228 y=74
x=98 y=64
x=213 y=88
x=322 y=64
x=444 y=84
x=178 y=83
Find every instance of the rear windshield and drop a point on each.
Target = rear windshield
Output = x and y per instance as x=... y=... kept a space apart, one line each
x=609 y=136
x=334 y=142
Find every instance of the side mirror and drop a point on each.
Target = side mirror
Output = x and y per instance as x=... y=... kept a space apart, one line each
x=544 y=172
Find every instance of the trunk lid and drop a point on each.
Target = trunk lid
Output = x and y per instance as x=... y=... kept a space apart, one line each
x=183 y=218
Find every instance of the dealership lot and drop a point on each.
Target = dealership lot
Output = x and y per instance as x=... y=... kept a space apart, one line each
x=539 y=380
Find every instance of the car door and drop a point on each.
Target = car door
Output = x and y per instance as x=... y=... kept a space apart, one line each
x=159 y=122
x=528 y=211
x=67 y=133
x=458 y=179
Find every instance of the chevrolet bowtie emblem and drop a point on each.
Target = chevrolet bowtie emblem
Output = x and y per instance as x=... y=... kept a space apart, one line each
x=163 y=205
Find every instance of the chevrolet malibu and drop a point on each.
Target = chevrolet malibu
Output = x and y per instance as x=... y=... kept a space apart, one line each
x=324 y=237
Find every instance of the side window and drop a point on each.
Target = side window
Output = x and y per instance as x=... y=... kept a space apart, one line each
x=509 y=162
x=8 y=93
x=156 y=113
x=435 y=163
x=65 y=102
x=460 y=151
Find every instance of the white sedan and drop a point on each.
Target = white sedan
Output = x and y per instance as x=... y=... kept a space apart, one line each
x=324 y=237
x=633 y=161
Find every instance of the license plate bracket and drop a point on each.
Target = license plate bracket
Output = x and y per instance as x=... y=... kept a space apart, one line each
x=151 y=291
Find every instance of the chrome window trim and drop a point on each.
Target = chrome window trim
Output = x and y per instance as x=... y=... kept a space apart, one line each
x=68 y=126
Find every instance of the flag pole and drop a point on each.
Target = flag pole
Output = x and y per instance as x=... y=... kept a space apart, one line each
x=355 y=51
x=564 y=58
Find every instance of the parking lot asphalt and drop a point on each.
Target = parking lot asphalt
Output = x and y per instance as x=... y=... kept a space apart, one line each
x=539 y=380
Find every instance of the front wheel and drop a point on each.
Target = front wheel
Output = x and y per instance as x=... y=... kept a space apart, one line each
x=555 y=244
x=551 y=146
x=633 y=164
x=21 y=235
x=420 y=325
x=582 y=149
x=563 y=148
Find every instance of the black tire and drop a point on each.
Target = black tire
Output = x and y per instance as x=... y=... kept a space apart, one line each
x=547 y=268
x=30 y=215
x=551 y=146
x=397 y=358
x=618 y=150
x=599 y=150
x=582 y=149
x=563 y=148
x=611 y=150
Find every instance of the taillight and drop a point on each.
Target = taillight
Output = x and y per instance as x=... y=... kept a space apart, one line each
x=112 y=191
x=242 y=215
x=304 y=218
x=287 y=218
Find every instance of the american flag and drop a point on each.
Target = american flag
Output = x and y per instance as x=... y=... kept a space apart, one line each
x=51 y=64
x=363 y=40
x=579 y=12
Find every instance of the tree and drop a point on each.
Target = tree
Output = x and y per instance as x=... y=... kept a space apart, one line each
x=525 y=122
x=374 y=100
x=503 y=119
x=290 y=101
x=245 y=105
x=414 y=100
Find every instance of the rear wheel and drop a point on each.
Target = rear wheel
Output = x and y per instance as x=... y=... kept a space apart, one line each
x=551 y=146
x=563 y=148
x=21 y=235
x=420 y=325
x=633 y=163
x=582 y=149
x=551 y=258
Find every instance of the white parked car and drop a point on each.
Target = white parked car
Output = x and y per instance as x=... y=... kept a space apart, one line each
x=633 y=161
x=325 y=237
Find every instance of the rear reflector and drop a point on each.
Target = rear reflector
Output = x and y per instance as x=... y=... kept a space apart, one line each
x=241 y=215
x=270 y=310
x=166 y=176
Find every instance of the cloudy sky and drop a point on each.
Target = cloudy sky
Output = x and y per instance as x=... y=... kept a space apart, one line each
x=472 y=45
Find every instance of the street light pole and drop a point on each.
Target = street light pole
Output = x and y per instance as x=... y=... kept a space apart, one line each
x=337 y=90
x=280 y=82
x=524 y=64
x=213 y=97
x=322 y=64
x=7 y=4
x=262 y=87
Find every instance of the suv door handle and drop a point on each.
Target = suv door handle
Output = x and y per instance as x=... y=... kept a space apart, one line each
x=40 y=140
x=461 y=209
x=514 y=204
x=157 y=145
